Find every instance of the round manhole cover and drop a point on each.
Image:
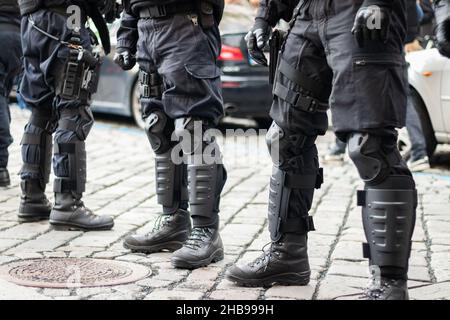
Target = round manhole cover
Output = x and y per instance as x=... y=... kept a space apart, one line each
x=72 y=272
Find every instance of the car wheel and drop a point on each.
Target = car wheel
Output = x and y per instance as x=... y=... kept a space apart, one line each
x=136 y=106
x=427 y=127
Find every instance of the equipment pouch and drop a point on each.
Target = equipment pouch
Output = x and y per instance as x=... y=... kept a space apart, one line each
x=206 y=14
x=275 y=43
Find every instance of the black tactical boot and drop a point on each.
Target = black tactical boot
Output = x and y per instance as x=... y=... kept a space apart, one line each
x=203 y=247
x=4 y=177
x=285 y=263
x=169 y=233
x=387 y=289
x=69 y=213
x=34 y=205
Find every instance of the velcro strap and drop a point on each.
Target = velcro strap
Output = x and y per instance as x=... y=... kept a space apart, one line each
x=298 y=77
x=64 y=148
x=366 y=251
x=298 y=100
x=29 y=138
x=300 y=181
x=298 y=225
x=64 y=185
x=144 y=77
x=361 y=198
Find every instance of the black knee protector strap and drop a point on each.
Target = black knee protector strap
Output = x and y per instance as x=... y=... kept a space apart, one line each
x=171 y=182
x=159 y=129
x=388 y=219
x=373 y=164
x=70 y=167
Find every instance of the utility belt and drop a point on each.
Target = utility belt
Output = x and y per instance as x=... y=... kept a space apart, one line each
x=204 y=9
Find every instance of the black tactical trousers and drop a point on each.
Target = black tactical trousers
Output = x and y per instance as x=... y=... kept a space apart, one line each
x=71 y=120
x=10 y=66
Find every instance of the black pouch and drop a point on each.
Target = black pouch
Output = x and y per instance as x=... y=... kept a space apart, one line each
x=275 y=43
x=206 y=14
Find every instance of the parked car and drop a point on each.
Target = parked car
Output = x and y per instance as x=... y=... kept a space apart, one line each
x=246 y=90
x=429 y=79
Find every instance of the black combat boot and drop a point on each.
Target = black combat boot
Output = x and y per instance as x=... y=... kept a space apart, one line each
x=4 y=177
x=203 y=247
x=34 y=205
x=383 y=288
x=285 y=263
x=69 y=213
x=169 y=233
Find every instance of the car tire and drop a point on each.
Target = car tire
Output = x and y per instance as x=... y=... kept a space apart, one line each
x=136 y=106
x=427 y=127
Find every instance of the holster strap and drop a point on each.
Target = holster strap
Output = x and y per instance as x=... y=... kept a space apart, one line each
x=299 y=100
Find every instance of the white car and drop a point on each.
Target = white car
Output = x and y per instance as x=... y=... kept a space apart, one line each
x=429 y=79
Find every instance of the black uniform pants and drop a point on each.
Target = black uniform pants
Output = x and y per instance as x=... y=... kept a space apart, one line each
x=10 y=66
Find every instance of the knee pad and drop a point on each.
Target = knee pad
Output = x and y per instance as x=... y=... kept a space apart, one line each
x=79 y=120
x=287 y=149
x=37 y=146
x=159 y=129
x=373 y=162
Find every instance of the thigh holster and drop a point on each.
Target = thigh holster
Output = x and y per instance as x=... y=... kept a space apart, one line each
x=150 y=85
x=309 y=95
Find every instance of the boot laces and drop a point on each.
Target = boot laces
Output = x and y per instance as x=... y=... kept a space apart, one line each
x=378 y=287
x=266 y=256
x=197 y=237
x=161 y=221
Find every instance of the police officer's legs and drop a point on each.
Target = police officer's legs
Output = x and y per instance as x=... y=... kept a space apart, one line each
x=174 y=225
x=369 y=101
x=206 y=178
x=299 y=111
x=36 y=156
x=5 y=139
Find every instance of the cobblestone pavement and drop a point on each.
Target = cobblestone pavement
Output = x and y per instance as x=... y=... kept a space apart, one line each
x=120 y=183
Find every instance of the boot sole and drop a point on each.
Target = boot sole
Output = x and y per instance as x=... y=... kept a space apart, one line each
x=284 y=279
x=169 y=246
x=183 y=264
x=60 y=226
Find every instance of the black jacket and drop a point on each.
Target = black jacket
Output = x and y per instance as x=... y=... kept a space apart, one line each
x=9 y=12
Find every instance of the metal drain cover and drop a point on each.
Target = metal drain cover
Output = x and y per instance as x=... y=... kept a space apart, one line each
x=72 y=272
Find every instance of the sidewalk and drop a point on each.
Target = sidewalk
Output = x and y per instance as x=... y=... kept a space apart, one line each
x=120 y=183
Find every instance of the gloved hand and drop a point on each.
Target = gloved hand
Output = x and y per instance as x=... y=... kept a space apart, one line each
x=372 y=22
x=257 y=39
x=124 y=58
x=443 y=28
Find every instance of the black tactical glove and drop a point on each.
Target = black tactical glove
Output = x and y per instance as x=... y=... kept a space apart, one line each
x=372 y=22
x=124 y=58
x=443 y=27
x=257 y=39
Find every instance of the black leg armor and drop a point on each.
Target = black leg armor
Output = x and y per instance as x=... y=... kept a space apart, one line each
x=295 y=175
x=388 y=202
x=37 y=147
x=171 y=179
x=206 y=173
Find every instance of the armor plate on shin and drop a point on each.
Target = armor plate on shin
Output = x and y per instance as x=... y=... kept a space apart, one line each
x=388 y=219
x=70 y=167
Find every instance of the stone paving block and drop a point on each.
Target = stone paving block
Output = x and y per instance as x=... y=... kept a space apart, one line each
x=292 y=292
x=48 y=241
x=235 y=294
x=10 y=291
x=438 y=291
x=165 y=294
x=333 y=287
x=25 y=231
